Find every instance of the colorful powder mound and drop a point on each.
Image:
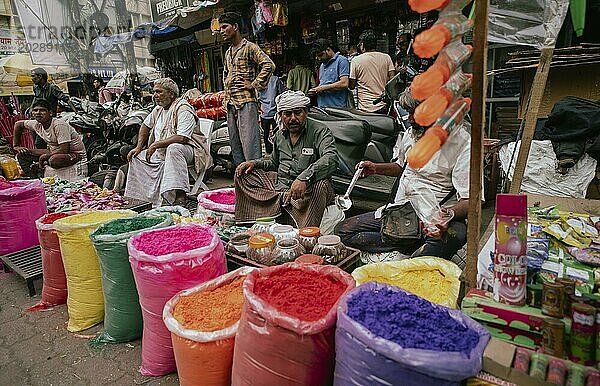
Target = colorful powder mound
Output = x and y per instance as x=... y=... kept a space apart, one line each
x=410 y=321
x=305 y=295
x=50 y=218
x=4 y=184
x=211 y=310
x=225 y=198
x=124 y=225
x=173 y=240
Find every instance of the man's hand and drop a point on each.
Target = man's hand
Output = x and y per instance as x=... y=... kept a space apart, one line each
x=248 y=85
x=244 y=168
x=368 y=168
x=21 y=150
x=440 y=223
x=43 y=160
x=133 y=153
x=296 y=191
x=312 y=92
x=151 y=149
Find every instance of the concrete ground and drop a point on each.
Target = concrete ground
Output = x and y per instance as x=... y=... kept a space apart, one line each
x=37 y=349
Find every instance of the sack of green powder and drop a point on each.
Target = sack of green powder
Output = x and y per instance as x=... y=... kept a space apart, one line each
x=388 y=336
x=122 y=312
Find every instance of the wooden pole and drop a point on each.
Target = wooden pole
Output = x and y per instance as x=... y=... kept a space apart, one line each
x=477 y=128
x=533 y=107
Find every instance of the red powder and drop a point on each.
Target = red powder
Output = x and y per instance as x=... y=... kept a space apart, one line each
x=172 y=240
x=225 y=198
x=305 y=295
x=50 y=218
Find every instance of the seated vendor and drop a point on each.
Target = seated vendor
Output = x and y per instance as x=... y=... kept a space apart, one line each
x=64 y=145
x=304 y=158
x=442 y=182
x=168 y=142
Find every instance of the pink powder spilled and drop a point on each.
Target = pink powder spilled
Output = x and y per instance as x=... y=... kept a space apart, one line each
x=172 y=240
x=225 y=198
x=4 y=184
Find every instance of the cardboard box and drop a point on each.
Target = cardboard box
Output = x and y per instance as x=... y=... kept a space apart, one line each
x=530 y=340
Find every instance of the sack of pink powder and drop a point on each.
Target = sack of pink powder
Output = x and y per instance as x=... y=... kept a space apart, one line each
x=218 y=200
x=165 y=262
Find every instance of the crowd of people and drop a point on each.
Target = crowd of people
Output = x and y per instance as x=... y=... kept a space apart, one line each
x=292 y=181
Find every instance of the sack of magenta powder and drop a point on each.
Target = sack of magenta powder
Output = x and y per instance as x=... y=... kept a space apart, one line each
x=387 y=336
x=164 y=262
x=286 y=332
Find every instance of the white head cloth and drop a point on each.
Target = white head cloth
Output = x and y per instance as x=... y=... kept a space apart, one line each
x=290 y=100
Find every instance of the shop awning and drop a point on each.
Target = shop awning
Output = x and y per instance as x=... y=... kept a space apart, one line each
x=188 y=17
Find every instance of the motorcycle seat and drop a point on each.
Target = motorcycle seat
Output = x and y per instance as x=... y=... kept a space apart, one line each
x=380 y=123
x=345 y=130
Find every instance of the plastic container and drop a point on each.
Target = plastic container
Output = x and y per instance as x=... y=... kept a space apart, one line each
x=197 y=256
x=260 y=248
x=309 y=237
x=203 y=357
x=10 y=167
x=85 y=302
x=238 y=244
x=21 y=204
x=263 y=225
x=331 y=249
x=433 y=107
x=286 y=251
x=284 y=232
x=122 y=312
x=447 y=28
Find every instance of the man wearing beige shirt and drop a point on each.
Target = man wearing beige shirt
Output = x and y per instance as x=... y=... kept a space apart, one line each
x=369 y=72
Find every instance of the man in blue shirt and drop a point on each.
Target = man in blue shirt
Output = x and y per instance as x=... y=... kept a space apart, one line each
x=334 y=72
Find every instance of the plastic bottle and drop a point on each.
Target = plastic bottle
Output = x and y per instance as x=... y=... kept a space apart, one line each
x=450 y=58
x=436 y=136
x=422 y=6
x=429 y=42
x=9 y=167
x=434 y=106
x=578 y=8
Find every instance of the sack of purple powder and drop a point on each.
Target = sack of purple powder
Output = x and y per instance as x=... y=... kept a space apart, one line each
x=387 y=336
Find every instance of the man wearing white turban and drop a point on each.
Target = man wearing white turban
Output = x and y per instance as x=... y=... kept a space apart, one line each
x=296 y=177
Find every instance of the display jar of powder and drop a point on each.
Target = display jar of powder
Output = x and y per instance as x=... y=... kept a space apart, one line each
x=568 y=290
x=309 y=236
x=238 y=244
x=576 y=376
x=521 y=361
x=286 y=251
x=553 y=341
x=553 y=300
x=331 y=248
x=284 y=232
x=539 y=365
x=263 y=225
x=583 y=349
x=557 y=371
x=260 y=248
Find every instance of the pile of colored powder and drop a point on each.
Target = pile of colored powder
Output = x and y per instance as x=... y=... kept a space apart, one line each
x=50 y=218
x=211 y=310
x=225 y=198
x=432 y=285
x=410 y=321
x=124 y=225
x=4 y=184
x=173 y=240
x=306 y=295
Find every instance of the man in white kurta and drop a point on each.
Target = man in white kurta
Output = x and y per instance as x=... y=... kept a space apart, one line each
x=159 y=173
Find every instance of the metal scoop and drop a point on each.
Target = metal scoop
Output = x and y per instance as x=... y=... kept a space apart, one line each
x=344 y=202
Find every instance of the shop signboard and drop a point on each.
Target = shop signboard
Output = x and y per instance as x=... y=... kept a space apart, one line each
x=104 y=72
x=162 y=9
x=11 y=42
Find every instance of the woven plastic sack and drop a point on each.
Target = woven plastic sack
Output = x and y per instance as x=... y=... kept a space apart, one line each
x=122 y=312
x=210 y=351
x=274 y=348
x=54 y=287
x=85 y=301
x=443 y=291
x=205 y=200
x=362 y=358
x=21 y=204
x=158 y=279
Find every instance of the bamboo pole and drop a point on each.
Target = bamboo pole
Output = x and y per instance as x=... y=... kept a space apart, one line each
x=477 y=127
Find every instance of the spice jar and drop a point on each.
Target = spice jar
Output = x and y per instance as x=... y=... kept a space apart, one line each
x=557 y=371
x=331 y=249
x=534 y=295
x=310 y=259
x=553 y=300
x=569 y=290
x=309 y=236
x=287 y=250
x=521 y=361
x=263 y=225
x=553 y=341
x=260 y=248
x=576 y=375
x=583 y=331
x=539 y=364
x=238 y=244
x=283 y=232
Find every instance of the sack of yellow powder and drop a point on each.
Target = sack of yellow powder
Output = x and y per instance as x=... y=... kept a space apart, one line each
x=431 y=278
x=85 y=302
x=203 y=321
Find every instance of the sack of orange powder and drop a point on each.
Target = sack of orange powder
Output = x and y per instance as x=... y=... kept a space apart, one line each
x=203 y=321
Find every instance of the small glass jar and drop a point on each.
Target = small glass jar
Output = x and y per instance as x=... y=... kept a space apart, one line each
x=263 y=225
x=260 y=248
x=330 y=248
x=284 y=232
x=308 y=237
x=238 y=244
x=287 y=250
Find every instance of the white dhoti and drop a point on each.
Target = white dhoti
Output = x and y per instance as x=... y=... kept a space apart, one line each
x=158 y=179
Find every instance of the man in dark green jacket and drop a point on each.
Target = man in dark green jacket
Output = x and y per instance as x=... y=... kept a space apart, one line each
x=296 y=176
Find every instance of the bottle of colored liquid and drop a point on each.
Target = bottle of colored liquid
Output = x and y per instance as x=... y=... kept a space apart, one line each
x=422 y=6
x=450 y=58
x=436 y=136
x=434 y=106
x=429 y=42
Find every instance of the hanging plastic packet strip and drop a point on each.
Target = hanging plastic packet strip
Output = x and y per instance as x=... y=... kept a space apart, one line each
x=434 y=106
x=447 y=28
